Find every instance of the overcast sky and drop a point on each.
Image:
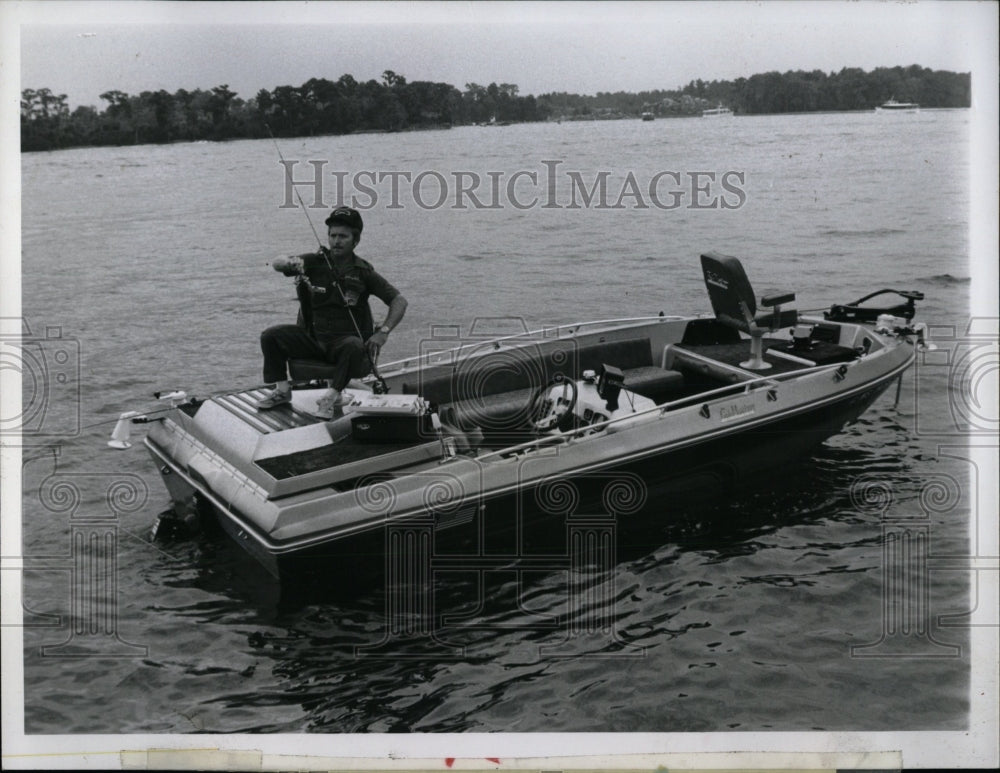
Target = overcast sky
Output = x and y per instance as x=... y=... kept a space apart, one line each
x=85 y=48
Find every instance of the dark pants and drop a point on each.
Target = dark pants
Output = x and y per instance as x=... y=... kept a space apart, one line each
x=282 y=343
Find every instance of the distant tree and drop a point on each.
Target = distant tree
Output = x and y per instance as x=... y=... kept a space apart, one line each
x=29 y=99
x=392 y=80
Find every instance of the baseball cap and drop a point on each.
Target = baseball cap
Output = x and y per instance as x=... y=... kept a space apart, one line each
x=346 y=216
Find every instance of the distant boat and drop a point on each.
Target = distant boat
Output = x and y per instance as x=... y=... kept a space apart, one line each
x=647 y=116
x=716 y=112
x=899 y=107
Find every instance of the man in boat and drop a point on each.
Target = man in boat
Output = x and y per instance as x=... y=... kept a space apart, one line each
x=335 y=321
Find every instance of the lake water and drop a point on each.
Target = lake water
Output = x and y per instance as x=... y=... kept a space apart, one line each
x=145 y=268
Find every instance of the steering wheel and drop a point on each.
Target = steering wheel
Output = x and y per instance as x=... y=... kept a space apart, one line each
x=545 y=414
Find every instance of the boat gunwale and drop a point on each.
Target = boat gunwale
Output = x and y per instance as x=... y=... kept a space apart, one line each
x=408 y=365
x=745 y=387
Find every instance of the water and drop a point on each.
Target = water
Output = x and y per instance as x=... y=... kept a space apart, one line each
x=737 y=616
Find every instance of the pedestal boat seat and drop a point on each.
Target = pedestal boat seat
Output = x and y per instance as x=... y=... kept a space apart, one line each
x=310 y=370
x=735 y=304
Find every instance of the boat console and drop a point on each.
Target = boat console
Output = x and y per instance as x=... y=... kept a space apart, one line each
x=598 y=397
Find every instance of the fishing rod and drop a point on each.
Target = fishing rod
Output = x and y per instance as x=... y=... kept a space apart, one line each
x=297 y=194
x=301 y=278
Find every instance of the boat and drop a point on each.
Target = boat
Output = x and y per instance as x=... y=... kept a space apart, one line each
x=892 y=105
x=716 y=112
x=487 y=451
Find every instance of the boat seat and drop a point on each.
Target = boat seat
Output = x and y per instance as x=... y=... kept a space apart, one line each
x=508 y=411
x=656 y=383
x=310 y=370
x=500 y=400
x=735 y=304
x=503 y=412
x=504 y=372
x=702 y=371
x=709 y=331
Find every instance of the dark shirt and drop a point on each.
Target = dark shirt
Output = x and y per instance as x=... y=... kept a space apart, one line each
x=355 y=283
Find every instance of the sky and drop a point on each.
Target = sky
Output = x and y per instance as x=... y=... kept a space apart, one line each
x=83 y=49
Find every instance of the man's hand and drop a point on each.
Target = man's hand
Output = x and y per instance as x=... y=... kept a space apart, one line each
x=375 y=344
x=289 y=266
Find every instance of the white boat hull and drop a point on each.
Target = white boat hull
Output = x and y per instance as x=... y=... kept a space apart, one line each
x=267 y=478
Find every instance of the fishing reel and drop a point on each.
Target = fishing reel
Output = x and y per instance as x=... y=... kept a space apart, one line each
x=302 y=282
x=289 y=266
x=294 y=267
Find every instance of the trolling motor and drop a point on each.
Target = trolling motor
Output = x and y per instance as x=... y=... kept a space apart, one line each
x=896 y=320
x=855 y=312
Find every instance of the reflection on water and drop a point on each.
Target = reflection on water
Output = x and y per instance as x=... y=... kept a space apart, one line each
x=698 y=598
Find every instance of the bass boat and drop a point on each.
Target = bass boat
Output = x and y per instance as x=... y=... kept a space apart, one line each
x=490 y=451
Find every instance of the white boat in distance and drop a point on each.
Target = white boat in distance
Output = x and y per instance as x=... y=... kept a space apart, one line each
x=468 y=443
x=892 y=106
x=716 y=112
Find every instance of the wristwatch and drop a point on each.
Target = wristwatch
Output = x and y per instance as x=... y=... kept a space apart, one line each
x=384 y=329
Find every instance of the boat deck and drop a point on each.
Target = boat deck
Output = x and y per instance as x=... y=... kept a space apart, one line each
x=708 y=365
x=347 y=451
x=732 y=354
x=244 y=405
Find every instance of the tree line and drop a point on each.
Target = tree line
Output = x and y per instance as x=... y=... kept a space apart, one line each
x=773 y=92
x=317 y=107
x=850 y=89
x=321 y=107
